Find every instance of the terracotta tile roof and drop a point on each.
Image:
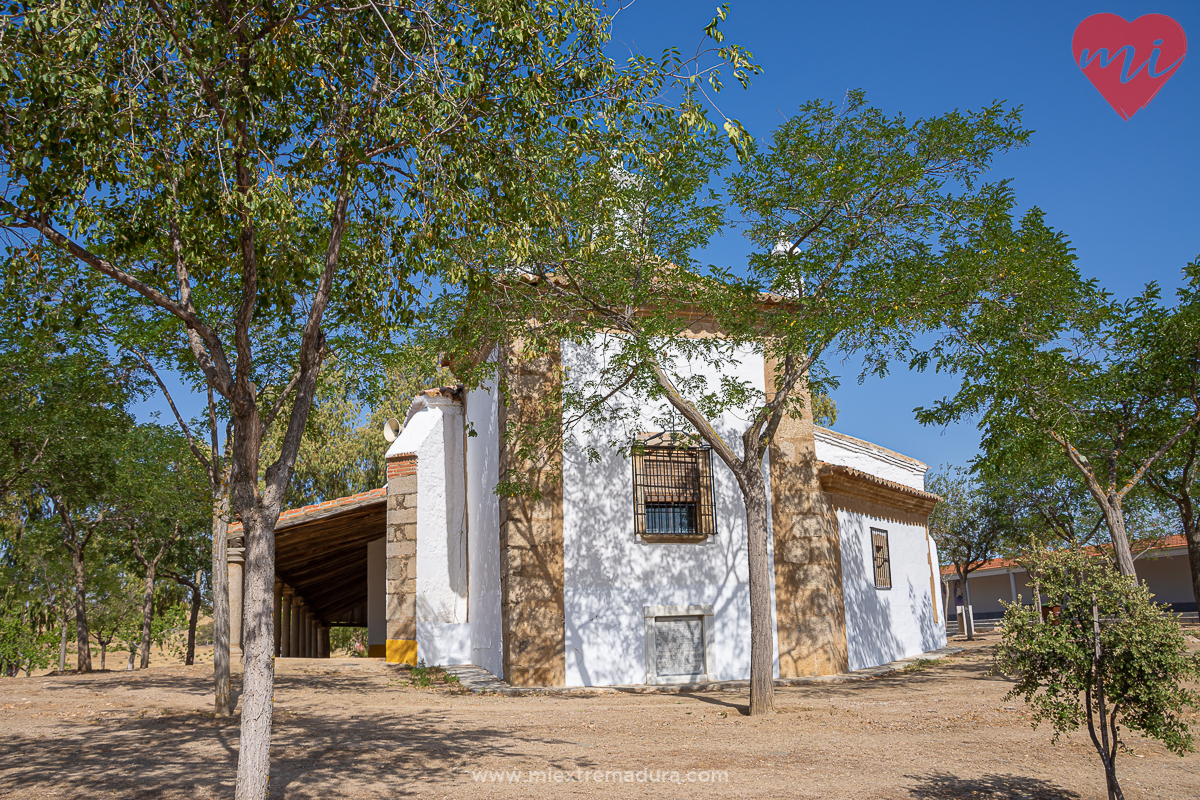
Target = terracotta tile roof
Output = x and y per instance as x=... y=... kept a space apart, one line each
x=322 y=508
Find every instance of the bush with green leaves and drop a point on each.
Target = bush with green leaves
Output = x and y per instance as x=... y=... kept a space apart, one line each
x=348 y=640
x=24 y=645
x=1110 y=658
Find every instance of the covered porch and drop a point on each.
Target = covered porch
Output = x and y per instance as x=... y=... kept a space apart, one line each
x=330 y=570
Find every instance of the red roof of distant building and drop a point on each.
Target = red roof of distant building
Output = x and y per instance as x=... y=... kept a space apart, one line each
x=1000 y=563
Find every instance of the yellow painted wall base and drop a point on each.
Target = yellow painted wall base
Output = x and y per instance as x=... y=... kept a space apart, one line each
x=401 y=651
x=377 y=651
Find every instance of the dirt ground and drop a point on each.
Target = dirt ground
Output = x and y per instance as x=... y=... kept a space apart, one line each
x=356 y=728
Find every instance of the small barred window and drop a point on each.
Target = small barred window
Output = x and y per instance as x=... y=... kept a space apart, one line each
x=672 y=489
x=883 y=560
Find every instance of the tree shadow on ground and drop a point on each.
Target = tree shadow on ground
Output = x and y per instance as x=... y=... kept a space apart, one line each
x=198 y=684
x=930 y=678
x=741 y=708
x=165 y=753
x=945 y=786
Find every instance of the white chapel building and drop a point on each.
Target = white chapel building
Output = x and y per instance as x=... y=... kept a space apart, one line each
x=630 y=569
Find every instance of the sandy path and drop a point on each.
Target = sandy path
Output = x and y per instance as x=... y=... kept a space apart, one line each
x=358 y=729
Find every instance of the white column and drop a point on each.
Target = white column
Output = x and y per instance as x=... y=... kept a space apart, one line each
x=276 y=616
x=1012 y=580
x=236 y=560
x=297 y=615
x=377 y=596
x=285 y=624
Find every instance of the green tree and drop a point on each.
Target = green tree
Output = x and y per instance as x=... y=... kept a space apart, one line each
x=1174 y=480
x=187 y=567
x=35 y=581
x=166 y=501
x=1110 y=657
x=1065 y=363
x=147 y=343
x=342 y=450
x=1046 y=500
x=25 y=643
x=1173 y=477
x=848 y=211
x=968 y=531
x=77 y=484
x=351 y=641
x=268 y=177
x=112 y=604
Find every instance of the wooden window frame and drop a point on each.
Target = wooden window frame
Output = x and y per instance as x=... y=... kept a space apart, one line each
x=882 y=566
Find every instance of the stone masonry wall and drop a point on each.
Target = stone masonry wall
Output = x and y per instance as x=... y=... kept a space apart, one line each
x=401 y=608
x=531 y=530
x=809 y=609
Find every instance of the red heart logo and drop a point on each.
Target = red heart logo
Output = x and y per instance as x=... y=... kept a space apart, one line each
x=1129 y=61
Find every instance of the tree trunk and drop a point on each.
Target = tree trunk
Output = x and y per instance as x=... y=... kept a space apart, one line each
x=258 y=673
x=948 y=598
x=968 y=614
x=62 y=644
x=83 y=658
x=1109 y=748
x=195 y=616
x=220 y=587
x=762 y=634
x=147 y=612
x=103 y=650
x=1114 y=519
x=1191 y=533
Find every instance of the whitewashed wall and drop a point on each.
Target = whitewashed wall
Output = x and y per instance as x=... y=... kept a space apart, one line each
x=483 y=526
x=377 y=592
x=1169 y=577
x=1165 y=572
x=846 y=451
x=434 y=432
x=883 y=625
x=610 y=576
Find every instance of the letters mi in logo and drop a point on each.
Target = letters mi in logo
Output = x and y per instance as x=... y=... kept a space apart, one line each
x=1129 y=61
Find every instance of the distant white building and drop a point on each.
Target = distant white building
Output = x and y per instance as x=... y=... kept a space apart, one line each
x=627 y=570
x=1164 y=569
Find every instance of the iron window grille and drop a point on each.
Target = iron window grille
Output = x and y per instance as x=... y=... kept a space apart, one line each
x=883 y=559
x=672 y=487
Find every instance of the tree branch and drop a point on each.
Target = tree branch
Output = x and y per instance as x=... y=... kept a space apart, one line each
x=187 y=432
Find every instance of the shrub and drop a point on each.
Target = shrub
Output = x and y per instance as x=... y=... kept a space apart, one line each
x=1109 y=657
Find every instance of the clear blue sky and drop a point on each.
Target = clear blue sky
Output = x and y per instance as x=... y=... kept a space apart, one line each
x=1125 y=192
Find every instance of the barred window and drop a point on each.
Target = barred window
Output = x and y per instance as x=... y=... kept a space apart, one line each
x=883 y=560
x=672 y=489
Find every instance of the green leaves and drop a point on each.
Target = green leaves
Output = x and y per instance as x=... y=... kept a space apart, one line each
x=1063 y=377
x=853 y=214
x=1109 y=657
